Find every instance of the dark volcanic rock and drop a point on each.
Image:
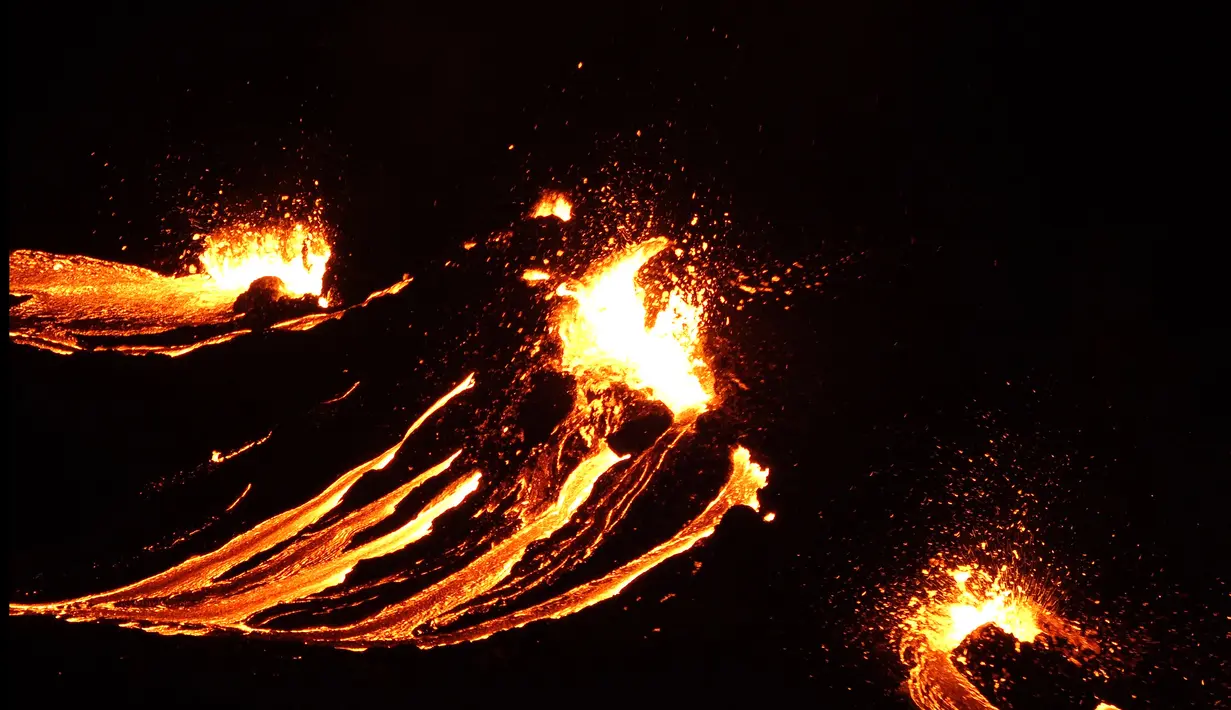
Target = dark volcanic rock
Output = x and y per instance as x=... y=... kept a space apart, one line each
x=261 y=295
x=646 y=422
x=266 y=302
x=1038 y=675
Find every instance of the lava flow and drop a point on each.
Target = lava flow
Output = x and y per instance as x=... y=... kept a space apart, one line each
x=965 y=599
x=521 y=530
x=76 y=303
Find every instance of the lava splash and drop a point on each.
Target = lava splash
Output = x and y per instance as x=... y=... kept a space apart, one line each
x=238 y=255
x=962 y=600
x=527 y=527
x=553 y=204
x=272 y=273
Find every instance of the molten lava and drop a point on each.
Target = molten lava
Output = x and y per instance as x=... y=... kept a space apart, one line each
x=75 y=303
x=986 y=601
x=523 y=529
x=553 y=204
x=606 y=340
x=971 y=598
x=296 y=254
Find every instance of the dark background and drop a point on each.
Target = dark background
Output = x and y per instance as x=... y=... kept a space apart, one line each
x=1022 y=195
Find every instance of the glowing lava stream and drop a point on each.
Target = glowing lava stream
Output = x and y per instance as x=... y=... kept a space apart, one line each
x=564 y=502
x=938 y=625
x=78 y=303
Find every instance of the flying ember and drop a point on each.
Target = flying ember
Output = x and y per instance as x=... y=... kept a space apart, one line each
x=520 y=529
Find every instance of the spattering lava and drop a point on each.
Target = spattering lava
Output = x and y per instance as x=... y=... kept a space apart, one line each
x=78 y=303
x=603 y=330
x=968 y=598
x=532 y=525
x=236 y=256
x=553 y=204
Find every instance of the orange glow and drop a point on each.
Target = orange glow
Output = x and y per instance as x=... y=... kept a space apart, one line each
x=296 y=253
x=219 y=457
x=606 y=339
x=553 y=204
x=525 y=526
x=237 y=500
x=980 y=601
x=76 y=300
x=973 y=597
